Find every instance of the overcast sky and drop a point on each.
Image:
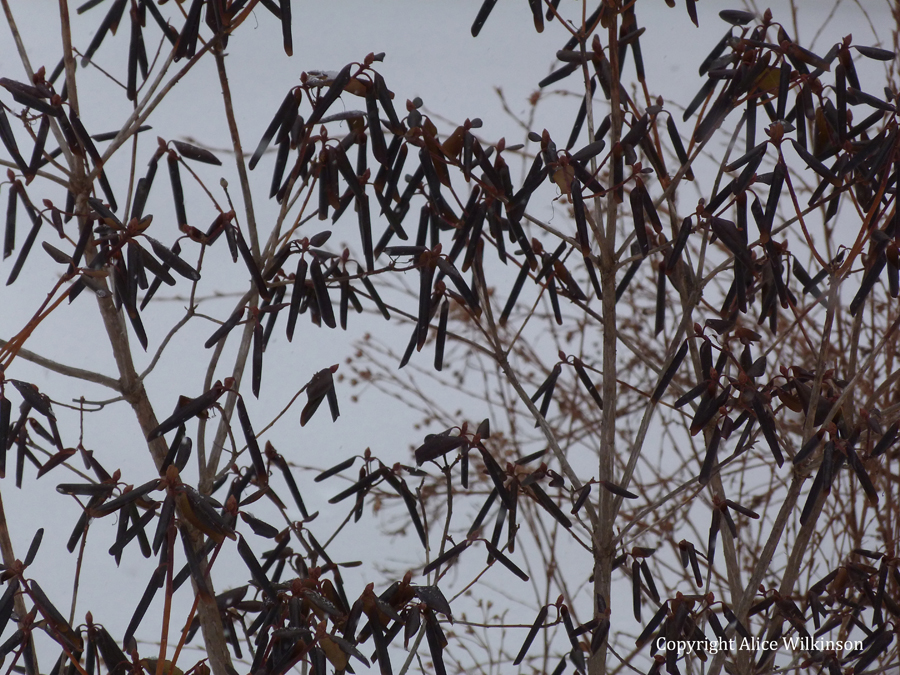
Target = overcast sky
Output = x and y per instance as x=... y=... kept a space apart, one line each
x=430 y=53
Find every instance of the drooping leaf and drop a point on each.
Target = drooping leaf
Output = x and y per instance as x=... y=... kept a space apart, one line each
x=252 y=267
x=284 y=117
x=506 y=562
x=198 y=154
x=320 y=386
x=323 y=299
x=187 y=41
x=260 y=527
x=482 y=16
x=411 y=502
x=445 y=557
x=336 y=469
x=127 y=497
x=255 y=568
x=110 y=22
x=156 y=582
x=532 y=633
x=189 y=409
x=362 y=485
x=550 y=506
x=436 y=446
x=225 y=328
x=331 y=94
x=617 y=490
x=36 y=221
x=252 y=442
x=33 y=548
x=282 y=464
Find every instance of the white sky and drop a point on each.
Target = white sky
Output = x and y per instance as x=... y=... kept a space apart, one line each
x=429 y=53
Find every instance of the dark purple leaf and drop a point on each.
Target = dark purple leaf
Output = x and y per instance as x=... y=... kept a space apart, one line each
x=195 y=153
x=559 y=74
x=886 y=441
x=550 y=506
x=259 y=527
x=177 y=189
x=187 y=41
x=361 y=485
x=126 y=498
x=331 y=94
x=482 y=16
x=506 y=562
x=875 y=53
x=190 y=409
x=33 y=548
x=482 y=513
x=636 y=590
x=156 y=582
x=255 y=568
x=617 y=490
x=29 y=240
x=637 y=212
x=446 y=557
x=316 y=391
x=225 y=328
x=282 y=464
x=514 y=294
x=436 y=446
x=110 y=22
x=252 y=442
x=284 y=118
x=336 y=469
x=323 y=300
x=532 y=633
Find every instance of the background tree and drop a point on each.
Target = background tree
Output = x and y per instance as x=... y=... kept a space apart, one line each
x=671 y=417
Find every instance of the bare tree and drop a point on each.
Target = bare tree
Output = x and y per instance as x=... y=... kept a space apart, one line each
x=670 y=421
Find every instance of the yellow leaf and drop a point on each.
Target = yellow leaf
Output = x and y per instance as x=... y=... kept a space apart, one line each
x=454 y=144
x=334 y=653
